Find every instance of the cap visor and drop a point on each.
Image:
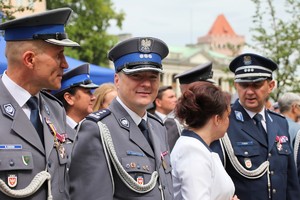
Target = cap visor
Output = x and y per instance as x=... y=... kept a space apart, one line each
x=249 y=80
x=143 y=69
x=90 y=86
x=64 y=42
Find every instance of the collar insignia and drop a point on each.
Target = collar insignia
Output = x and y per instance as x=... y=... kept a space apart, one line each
x=239 y=116
x=124 y=122
x=9 y=109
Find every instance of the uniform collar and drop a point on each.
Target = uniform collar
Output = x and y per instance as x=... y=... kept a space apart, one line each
x=18 y=93
x=71 y=122
x=161 y=115
x=135 y=117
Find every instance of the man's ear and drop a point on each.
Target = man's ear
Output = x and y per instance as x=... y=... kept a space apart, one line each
x=28 y=59
x=158 y=102
x=271 y=86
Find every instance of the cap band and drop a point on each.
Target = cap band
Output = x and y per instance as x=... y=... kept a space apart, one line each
x=252 y=72
x=252 y=67
x=137 y=58
x=74 y=81
x=27 y=33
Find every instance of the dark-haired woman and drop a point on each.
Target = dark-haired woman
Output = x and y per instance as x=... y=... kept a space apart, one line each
x=198 y=173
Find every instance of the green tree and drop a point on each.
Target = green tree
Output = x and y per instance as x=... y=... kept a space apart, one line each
x=88 y=26
x=279 y=39
x=7 y=10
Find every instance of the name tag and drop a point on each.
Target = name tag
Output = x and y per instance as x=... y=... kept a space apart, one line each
x=10 y=146
x=247 y=143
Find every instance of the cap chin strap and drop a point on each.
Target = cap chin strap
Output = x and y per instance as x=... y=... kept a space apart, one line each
x=56 y=36
x=132 y=184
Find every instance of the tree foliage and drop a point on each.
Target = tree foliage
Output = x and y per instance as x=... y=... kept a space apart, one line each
x=7 y=10
x=88 y=26
x=279 y=40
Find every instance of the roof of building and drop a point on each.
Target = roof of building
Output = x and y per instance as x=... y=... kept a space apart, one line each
x=221 y=27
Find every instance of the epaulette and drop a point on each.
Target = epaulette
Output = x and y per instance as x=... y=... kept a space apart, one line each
x=98 y=115
x=50 y=96
x=276 y=113
x=156 y=118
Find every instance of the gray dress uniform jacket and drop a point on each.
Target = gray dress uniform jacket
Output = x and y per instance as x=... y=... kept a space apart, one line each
x=89 y=173
x=22 y=154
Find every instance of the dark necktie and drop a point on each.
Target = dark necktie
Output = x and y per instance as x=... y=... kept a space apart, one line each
x=143 y=127
x=35 y=117
x=172 y=131
x=258 y=117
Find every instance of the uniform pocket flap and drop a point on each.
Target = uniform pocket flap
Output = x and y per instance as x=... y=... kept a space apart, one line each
x=284 y=149
x=15 y=160
x=246 y=150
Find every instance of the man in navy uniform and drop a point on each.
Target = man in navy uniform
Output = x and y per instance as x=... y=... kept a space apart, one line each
x=33 y=122
x=122 y=152
x=259 y=156
x=201 y=72
x=76 y=94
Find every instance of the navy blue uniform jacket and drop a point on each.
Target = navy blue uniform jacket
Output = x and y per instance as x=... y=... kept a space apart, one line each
x=252 y=150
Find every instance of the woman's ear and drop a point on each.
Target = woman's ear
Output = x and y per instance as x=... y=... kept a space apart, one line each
x=216 y=119
x=69 y=98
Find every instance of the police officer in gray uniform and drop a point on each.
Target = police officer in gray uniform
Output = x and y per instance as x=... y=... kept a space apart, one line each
x=122 y=152
x=33 y=158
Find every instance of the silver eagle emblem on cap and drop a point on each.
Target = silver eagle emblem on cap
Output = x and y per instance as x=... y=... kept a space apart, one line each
x=145 y=45
x=247 y=60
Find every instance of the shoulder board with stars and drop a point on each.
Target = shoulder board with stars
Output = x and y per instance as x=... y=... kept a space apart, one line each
x=154 y=117
x=98 y=115
x=50 y=96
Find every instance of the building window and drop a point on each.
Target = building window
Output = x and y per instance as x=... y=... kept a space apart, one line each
x=31 y=4
x=19 y=3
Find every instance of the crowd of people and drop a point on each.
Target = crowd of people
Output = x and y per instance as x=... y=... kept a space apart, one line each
x=64 y=137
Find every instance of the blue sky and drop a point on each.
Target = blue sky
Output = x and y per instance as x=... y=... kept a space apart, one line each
x=180 y=22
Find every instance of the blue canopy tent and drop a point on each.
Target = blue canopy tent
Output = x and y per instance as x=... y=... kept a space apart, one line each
x=98 y=74
x=3 y=62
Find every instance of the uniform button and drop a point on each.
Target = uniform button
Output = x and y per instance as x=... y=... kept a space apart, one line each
x=246 y=153
x=272 y=172
x=274 y=191
x=269 y=154
x=11 y=163
x=49 y=164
